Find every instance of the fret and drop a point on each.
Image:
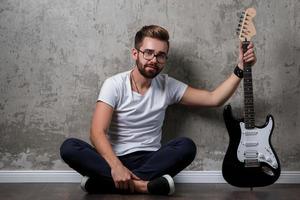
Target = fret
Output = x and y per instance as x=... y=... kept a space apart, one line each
x=248 y=97
x=247 y=107
x=251 y=113
x=249 y=116
x=247 y=113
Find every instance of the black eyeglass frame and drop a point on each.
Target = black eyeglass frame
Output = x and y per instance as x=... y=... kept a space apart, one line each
x=154 y=55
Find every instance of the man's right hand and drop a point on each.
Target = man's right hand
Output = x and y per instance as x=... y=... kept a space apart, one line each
x=123 y=178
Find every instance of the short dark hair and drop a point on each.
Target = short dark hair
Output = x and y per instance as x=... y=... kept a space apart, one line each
x=152 y=31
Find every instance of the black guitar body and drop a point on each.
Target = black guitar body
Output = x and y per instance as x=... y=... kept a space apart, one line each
x=237 y=173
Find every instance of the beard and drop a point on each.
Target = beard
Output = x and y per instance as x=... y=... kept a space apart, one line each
x=150 y=74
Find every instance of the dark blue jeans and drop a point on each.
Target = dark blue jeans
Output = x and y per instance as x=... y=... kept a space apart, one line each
x=170 y=159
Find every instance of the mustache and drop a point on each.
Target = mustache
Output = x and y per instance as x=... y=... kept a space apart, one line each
x=152 y=66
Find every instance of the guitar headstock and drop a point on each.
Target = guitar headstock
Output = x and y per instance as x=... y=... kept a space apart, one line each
x=246 y=29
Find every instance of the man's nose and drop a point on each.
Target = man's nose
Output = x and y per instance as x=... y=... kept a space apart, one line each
x=154 y=59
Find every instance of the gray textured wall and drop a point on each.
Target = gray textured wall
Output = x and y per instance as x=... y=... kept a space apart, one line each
x=55 y=54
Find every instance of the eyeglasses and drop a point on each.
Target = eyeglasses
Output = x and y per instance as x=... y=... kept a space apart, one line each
x=149 y=54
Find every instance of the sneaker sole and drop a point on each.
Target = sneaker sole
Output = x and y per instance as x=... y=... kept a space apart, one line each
x=171 y=183
x=83 y=182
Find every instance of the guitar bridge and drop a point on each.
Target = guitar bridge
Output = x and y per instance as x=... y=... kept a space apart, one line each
x=252 y=163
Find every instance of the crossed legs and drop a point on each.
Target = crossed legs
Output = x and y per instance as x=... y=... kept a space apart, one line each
x=170 y=159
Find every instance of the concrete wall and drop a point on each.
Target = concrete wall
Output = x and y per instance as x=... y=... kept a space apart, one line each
x=55 y=54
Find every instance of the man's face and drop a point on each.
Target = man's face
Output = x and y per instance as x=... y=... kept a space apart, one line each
x=150 y=68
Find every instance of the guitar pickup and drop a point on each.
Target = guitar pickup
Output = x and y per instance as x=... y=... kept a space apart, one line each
x=251 y=144
x=251 y=154
x=252 y=163
x=251 y=133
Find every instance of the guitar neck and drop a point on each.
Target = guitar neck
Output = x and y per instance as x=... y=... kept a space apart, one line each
x=249 y=117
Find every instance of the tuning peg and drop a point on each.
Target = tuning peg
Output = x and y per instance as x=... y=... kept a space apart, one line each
x=245 y=33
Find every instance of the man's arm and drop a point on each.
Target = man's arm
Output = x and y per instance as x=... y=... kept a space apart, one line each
x=217 y=97
x=100 y=124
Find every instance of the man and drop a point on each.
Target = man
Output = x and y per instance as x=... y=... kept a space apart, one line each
x=126 y=127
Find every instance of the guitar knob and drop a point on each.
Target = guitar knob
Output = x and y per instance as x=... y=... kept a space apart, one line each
x=268 y=159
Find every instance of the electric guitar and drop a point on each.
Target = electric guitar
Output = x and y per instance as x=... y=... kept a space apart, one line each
x=250 y=160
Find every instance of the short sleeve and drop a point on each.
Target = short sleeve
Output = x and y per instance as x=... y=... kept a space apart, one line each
x=109 y=93
x=175 y=90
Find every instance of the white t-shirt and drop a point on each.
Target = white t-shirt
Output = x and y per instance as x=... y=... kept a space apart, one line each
x=137 y=119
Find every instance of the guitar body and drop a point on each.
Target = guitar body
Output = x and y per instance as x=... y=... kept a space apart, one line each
x=250 y=160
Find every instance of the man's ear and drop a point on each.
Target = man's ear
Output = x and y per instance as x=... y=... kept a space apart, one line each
x=134 y=53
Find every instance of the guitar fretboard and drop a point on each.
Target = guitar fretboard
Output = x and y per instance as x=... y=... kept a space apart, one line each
x=249 y=117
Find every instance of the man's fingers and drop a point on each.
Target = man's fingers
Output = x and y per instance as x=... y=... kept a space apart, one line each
x=250 y=45
x=249 y=56
x=249 y=51
x=133 y=176
x=125 y=185
x=131 y=186
x=117 y=185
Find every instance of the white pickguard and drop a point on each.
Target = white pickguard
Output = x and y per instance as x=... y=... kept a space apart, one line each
x=254 y=144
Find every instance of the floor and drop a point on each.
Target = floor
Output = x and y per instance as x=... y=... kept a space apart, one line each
x=70 y=191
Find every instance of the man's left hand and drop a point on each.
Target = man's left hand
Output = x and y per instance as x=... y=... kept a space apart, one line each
x=248 y=57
